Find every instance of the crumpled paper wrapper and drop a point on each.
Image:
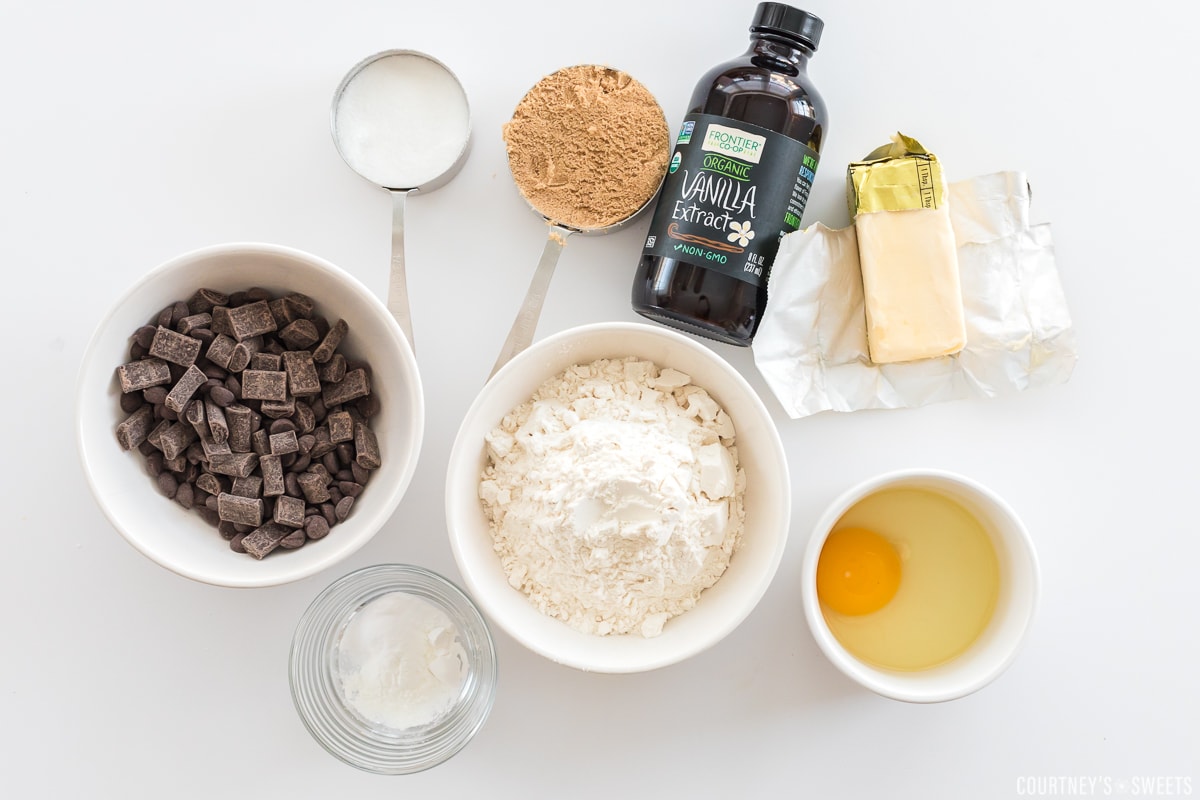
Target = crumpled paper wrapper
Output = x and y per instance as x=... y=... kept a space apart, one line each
x=811 y=346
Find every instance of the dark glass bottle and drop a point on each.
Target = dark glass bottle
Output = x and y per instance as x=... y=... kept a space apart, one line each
x=741 y=171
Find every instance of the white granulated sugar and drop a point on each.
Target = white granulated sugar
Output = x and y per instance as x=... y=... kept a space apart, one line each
x=400 y=662
x=614 y=495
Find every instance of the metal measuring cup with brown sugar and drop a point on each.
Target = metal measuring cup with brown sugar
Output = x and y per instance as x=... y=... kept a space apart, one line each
x=588 y=148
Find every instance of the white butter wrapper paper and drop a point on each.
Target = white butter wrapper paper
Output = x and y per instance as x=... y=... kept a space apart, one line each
x=811 y=346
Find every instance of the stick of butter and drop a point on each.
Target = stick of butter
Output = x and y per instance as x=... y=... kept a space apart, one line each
x=907 y=253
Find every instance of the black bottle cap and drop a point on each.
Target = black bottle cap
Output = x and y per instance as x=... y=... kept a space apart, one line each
x=789 y=21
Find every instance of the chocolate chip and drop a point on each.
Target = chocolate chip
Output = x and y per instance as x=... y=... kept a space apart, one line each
x=167 y=485
x=316 y=527
x=221 y=396
x=293 y=540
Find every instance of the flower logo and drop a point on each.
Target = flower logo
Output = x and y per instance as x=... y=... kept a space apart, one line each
x=741 y=233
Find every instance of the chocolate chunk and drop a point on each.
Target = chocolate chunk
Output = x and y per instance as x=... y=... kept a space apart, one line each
x=283 y=312
x=175 y=439
x=221 y=350
x=249 y=486
x=284 y=443
x=236 y=464
x=323 y=444
x=220 y=321
x=260 y=442
x=209 y=483
x=279 y=409
x=333 y=370
x=302 y=306
x=218 y=424
x=302 y=373
x=272 y=475
x=341 y=427
x=263 y=385
x=293 y=540
x=304 y=417
x=204 y=299
x=350 y=488
x=252 y=319
x=243 y=352
x=240 y=510
x=314 y=487
x=174 y=347
x=183 y=391
x=238 y=421
x=138 y=375
x=331 y=342
x=343 y=508
x=368 y=406
x=195 y=415
x=299 y=335
x=263 y=540
x=190 y=324
x=266 y=361
x=366 y=447
x=289 y=511
x=354 y=385
x=134 y=430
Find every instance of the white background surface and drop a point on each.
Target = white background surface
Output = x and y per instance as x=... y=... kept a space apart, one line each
x=135 y=131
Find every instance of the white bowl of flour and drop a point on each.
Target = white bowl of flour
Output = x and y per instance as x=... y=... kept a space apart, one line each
x=555 y=506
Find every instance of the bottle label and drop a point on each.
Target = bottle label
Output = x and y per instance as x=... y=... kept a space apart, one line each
x=732 y=191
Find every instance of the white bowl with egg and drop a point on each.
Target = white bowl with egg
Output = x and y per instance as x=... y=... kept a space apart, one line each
x=983 y=658
x=180 y=540
x=722 y=606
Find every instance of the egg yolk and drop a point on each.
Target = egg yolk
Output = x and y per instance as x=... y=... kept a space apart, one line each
x=858 y=572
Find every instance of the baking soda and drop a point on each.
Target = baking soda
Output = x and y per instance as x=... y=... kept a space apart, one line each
x=400 y=662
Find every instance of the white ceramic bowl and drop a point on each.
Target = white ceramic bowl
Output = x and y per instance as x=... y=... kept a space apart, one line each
x=996 y=647
x=180 y=540
x=720 y=608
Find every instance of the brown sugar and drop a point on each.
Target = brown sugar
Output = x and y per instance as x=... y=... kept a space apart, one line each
x=588 y=146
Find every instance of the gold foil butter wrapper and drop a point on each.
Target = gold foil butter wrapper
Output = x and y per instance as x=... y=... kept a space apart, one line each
x=899 y=176
x=812 y=349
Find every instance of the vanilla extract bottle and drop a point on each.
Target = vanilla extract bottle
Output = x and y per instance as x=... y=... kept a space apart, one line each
x=739 y=178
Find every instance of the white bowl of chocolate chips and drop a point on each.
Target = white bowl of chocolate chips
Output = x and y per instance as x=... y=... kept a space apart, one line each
x=248 y=415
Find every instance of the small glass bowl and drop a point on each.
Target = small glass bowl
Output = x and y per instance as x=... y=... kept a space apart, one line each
x=312 y=671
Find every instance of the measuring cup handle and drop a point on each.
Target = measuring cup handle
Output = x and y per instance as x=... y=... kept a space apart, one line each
x=521 y=334
x=397 y=296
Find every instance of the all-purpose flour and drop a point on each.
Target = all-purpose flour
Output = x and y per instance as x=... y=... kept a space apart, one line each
x=614 y=495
